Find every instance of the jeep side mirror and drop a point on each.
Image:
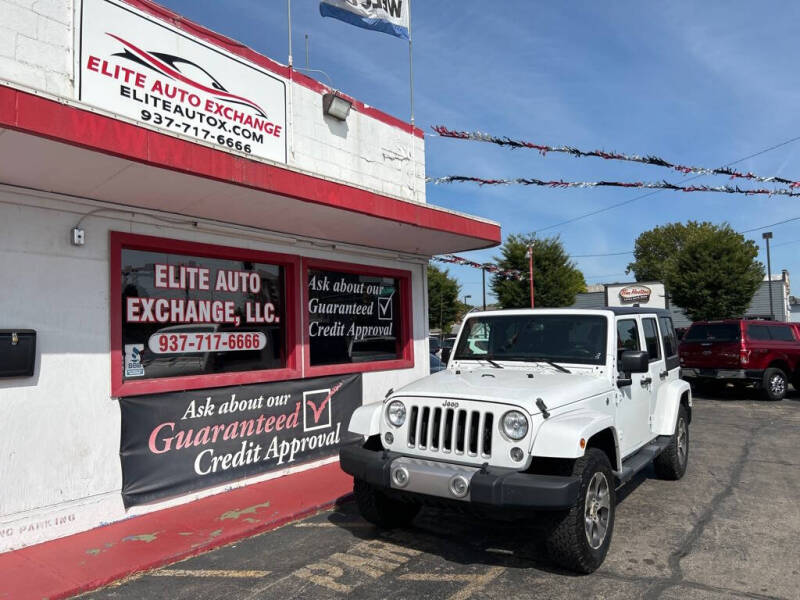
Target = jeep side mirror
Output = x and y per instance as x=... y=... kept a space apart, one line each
x=634 y=361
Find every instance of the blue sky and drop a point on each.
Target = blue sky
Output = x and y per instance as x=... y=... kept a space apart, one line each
x=700 y=83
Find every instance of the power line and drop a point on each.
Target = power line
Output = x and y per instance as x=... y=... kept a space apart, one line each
x=594 y=255
x=618 y=204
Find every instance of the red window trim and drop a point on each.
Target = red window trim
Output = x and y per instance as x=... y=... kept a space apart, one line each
x=406 y=361
x=291 y=264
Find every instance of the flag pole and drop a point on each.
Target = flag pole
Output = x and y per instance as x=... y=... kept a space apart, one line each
x=411 y=93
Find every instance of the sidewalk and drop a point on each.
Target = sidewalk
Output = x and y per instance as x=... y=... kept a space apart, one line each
x=85 y=561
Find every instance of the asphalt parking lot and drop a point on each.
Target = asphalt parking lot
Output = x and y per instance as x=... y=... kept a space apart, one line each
x=728 y=529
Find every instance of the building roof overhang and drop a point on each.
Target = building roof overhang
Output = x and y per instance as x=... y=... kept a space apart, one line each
x=61 y=146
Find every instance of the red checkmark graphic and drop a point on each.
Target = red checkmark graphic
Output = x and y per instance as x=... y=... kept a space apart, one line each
x=318 y=411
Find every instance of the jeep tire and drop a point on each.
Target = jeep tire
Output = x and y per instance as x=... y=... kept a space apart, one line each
x=671 y=463
x=773 y=384
x=579 y=539
x=379 y=509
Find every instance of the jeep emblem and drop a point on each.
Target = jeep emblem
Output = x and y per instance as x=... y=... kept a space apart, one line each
x=449 y=404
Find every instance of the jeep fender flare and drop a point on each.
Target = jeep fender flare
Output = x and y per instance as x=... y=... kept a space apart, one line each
x=668 y=401
x=560 y=436
x=366 y=420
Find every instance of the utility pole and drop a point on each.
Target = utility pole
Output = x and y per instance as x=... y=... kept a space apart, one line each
x=483 y=275
x=767 y=235
x=530 y=270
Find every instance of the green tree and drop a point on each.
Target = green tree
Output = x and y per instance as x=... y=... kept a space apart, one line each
x=556 y=279
x=443 y=304
x=709 y=270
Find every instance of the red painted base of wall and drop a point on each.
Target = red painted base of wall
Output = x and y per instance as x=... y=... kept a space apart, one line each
x=88 y=560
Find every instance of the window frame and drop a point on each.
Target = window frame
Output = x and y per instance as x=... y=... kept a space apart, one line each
x=291 y=268
x=659 y=344
x=638 y=337
x=406 y=358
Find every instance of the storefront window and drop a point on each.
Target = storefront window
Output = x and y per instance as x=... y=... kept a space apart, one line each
x=194 y=314
x=353 y=317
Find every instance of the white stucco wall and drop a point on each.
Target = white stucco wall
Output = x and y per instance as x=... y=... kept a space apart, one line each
x=38 y=49
x=59 y=448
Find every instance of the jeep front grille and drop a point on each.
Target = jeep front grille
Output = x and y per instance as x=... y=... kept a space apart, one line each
x=459 y=431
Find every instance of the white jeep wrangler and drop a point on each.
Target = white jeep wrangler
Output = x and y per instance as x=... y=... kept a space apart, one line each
x=538 y=410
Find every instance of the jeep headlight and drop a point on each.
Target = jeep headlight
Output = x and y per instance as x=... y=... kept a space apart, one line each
x=514 y=424
x=396 y=413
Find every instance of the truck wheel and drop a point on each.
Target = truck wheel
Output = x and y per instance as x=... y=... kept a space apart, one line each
x=671 y=463
x=773 y=385
x=580 y=538
x=379 y=509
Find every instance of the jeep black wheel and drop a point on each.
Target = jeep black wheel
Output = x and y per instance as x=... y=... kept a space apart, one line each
x=580 y=538
x=671 y=463
x=773 y=385
x=379 y=509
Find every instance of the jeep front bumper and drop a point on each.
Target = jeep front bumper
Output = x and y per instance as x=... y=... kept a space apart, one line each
x=492 y=486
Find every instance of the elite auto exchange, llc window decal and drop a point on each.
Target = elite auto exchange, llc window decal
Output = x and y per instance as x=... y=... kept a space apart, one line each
x=191 y=315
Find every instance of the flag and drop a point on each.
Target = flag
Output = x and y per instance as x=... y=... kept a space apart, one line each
x=388 y=16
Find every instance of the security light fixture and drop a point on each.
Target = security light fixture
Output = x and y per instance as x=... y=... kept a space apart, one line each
x=335 y=106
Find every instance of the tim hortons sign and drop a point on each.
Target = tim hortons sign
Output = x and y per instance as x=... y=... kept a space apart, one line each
x=635 y=293
x=146 y=70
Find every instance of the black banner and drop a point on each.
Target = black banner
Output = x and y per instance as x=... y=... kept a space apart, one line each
x=182 y=441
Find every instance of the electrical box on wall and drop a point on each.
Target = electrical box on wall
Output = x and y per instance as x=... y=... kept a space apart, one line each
x=17 y=352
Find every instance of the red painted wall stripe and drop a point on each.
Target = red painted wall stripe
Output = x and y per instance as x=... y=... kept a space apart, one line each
x=32 y=114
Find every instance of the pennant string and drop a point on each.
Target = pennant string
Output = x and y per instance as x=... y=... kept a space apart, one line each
x=576 y=152
x=490 y=268
x=656 y=185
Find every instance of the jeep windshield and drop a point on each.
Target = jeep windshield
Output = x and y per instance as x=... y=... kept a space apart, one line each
x=576 y=339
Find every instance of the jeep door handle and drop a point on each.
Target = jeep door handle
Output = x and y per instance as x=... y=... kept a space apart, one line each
x=663 y=374
x=646 y=381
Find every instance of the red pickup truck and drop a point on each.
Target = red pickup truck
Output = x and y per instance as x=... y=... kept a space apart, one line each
x=763 y=353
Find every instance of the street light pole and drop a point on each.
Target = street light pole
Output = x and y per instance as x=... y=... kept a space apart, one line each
x=467 y=296
x=767 y=235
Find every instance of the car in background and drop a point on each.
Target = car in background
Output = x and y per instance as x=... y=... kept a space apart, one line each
x=436 y=364
x=765 y=354
x=435 y=345
x=447 y=348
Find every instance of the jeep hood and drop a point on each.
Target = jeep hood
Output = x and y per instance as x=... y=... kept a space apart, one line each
x=508 y=386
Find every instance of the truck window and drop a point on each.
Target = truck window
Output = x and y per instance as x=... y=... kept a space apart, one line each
x=668 y=337
x=627 y=336
x=713 y=332
x=651 y=339
x=758 y=332
x=781 y=333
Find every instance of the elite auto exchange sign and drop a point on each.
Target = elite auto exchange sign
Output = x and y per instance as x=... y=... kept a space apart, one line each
x=138 y=67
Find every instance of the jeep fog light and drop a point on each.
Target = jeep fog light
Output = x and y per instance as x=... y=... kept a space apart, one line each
x=389 y=438
x=514 y=425
x=396 y=413
x=459 y=486
x=517 y=454
x=400 y=477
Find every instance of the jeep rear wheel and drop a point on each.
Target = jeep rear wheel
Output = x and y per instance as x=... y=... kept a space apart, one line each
x=773 y=385
x=379 y=509
x=580 y=539
x=671 y=463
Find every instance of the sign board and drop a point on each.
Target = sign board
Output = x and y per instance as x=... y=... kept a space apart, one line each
x=627 y=294
x=352 y=317
x=134 y=65
x=177 y=442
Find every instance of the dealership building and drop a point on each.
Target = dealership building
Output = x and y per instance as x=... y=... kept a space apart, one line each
x=209 y=261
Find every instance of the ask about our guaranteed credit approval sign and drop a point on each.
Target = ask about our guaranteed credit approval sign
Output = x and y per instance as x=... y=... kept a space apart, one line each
x=139 y=67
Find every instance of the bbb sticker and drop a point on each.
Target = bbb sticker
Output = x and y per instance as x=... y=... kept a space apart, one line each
x=133 y=360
